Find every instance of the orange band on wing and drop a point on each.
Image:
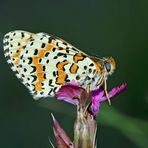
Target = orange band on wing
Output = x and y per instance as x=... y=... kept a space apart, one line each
x=16 y=61
x=40 y=76
x=49 y=47
x=38 y=86
x=17 y=54
x=78 y=57
x=35 y=60
x=41 y=53
x=61 y=73
x=39 y=68
x=74 y=68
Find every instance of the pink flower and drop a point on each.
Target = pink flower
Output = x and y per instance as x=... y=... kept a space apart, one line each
x=98 y=96
x=71 y=93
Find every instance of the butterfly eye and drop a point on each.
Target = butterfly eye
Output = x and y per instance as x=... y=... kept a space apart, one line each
x=107 y=66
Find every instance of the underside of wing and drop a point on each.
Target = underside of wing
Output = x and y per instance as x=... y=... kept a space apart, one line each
x=44 y=63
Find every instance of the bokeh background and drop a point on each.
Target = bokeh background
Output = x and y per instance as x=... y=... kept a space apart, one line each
x=117 y=28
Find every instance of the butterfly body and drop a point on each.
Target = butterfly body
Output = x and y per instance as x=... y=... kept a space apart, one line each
x=44 y=63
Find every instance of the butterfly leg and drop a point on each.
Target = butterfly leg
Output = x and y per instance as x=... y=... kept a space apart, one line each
x=105 y=89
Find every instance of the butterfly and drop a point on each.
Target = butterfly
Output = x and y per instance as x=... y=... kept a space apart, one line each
x=44 y=63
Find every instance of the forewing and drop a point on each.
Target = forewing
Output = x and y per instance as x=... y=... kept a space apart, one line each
x=44 y=63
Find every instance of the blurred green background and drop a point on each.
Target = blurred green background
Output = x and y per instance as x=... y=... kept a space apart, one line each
x=117 y=28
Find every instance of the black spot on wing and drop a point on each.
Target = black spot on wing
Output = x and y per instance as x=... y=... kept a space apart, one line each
x=55 y=57
x=66 y=79
x=74 y=49
x=46 y=54
x=92 y=64
x=6 y=43
x=54 y=49
x=49 y=93
x=35 y=52
x=14 y=34
x=47 y=61
x=54 y=73
x=31 y=43
x=77 y=77
x=22 y=34
x=34 y=78
x=27 y=84
x=40 y=60
x=50 y=82
x=6 y=50
x=33 y=69
x=85 y=67
x=44 y=76
x=54 y=90
x=62 y=54
x=65 y=43
x=90 y=70
x=44 y=68
x=7 y=36
x=50 y=39
x=25 y=69
x=43 y=45
x=30 y=60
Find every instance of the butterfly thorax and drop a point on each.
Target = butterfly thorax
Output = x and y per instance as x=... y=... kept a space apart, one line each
x=104 y=68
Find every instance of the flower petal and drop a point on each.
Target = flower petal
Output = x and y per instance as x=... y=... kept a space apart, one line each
x=62 y=140
x=98 y=96
x=115 y=91
x=69 y=93
x=95 y=107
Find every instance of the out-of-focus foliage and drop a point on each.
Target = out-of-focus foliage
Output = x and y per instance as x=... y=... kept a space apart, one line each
x=109 y=27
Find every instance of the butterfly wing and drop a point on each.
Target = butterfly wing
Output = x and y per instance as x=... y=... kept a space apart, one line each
x=44 y=63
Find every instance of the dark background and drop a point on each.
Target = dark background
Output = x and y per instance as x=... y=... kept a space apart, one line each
x=117 y=28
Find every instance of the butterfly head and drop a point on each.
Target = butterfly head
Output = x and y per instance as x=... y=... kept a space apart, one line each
x=109 y=65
